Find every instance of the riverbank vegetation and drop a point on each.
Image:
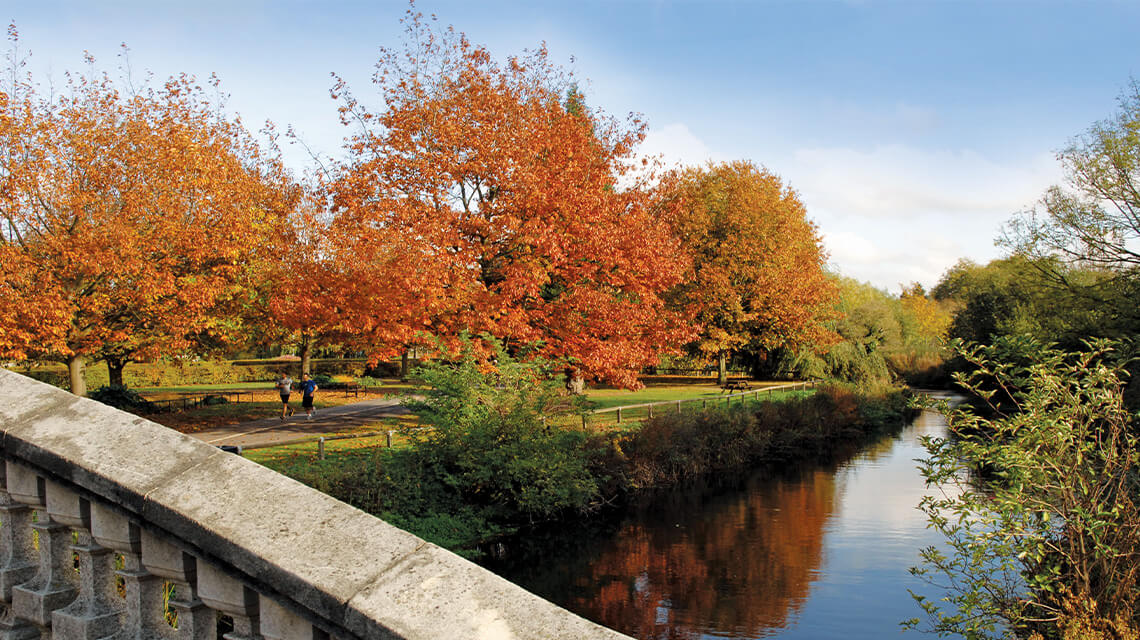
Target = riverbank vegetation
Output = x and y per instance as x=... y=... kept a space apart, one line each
x=488 y=462
x=1039 y=498
x=1040 y=477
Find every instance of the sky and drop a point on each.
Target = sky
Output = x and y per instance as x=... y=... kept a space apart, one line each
x=913 y=130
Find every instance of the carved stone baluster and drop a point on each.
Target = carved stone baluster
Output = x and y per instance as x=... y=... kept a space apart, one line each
x=143 y=615
x=278 y=623
x=196 y=621
x=97 y=611
x=17 y=559
x=53 y=587
x=222 y=593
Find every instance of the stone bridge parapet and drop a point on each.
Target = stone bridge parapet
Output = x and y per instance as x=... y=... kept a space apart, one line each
x=108 y=522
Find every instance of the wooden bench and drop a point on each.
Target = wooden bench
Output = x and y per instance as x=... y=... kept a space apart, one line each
x=736 y=385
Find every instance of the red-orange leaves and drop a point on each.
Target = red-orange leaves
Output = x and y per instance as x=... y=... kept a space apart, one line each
x=505 y=192
x=126 y=219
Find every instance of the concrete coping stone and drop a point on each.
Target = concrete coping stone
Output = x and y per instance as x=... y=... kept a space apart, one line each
x=327 y=560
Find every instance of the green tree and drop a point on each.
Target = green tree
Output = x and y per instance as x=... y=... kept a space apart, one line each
x=866 y=320
x=1091 y=222
x=1037 y=498
x=1094 y=217
x=1014 y=296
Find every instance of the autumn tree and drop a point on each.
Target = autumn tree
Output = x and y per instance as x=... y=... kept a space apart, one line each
x=513 y=208
x=128 y=217
x=925 y=320
x=757 y=280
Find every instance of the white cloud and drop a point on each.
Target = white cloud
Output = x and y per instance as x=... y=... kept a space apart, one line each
x=896 y=214
x=850 y=248
x=677 y=146
x=898 y=180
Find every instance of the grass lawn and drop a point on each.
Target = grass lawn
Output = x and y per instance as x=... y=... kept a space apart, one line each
x=283 y=456
x=606 y=398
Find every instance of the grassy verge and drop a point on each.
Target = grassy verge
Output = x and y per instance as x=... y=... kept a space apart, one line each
x=294 y=456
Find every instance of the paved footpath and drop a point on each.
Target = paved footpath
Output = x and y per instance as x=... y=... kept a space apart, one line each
x=269 y=431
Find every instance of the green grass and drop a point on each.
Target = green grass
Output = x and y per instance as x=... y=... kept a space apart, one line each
x=606 y=398
x=289 y=454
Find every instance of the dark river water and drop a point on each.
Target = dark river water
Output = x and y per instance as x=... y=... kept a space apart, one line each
x=818 y=551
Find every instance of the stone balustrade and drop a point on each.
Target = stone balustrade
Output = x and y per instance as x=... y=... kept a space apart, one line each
x=114 y=527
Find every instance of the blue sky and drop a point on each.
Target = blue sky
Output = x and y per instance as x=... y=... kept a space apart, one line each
x=911 y=128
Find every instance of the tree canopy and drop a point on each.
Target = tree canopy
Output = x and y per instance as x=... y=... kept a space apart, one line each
x=516 y=204
x=757 y=279
x=127 y=217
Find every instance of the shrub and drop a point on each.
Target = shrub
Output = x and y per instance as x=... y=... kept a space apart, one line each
x=1039 y=497
x=368 y=381
x=121 y=398
x=487 y=440
x=674 y=447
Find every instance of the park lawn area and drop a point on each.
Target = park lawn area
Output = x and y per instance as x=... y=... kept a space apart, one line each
x=606 y=397
x=288 y=455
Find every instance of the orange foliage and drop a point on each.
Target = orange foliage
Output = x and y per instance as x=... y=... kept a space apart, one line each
x=758 y=278
x=747 y=566
x=126 y=218
x=487 y=198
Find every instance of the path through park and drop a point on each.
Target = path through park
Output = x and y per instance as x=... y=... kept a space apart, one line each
x=268 y=431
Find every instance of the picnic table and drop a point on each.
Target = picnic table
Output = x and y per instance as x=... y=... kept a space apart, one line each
x=736 y=385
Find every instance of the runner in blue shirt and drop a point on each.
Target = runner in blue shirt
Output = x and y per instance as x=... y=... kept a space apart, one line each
x=307 y=386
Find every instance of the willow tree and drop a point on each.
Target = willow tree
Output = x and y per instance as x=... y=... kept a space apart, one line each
x=517 y=208
x=128 y=219
x=758 y=281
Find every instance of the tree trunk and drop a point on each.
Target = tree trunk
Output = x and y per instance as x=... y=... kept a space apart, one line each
x=404 y=365
x=115 y=368
x=722 y=368
x=306 y=355
x=575 y=383
x=76 y=366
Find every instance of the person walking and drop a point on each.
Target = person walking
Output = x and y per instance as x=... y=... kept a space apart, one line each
x=285 y=387
x=308 y=387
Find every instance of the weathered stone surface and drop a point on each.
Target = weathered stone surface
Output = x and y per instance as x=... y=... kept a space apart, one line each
x=114 y=530
x=278 y=623
x=434 y=593
x=99 y=448
x=280 y=533
x=331 y=561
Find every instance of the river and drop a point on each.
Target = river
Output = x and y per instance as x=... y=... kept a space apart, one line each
x=817 y=551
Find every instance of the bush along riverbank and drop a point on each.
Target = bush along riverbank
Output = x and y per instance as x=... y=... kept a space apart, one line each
x=487 y=464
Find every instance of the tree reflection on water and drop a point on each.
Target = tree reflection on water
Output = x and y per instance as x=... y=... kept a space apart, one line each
x=726 y=561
